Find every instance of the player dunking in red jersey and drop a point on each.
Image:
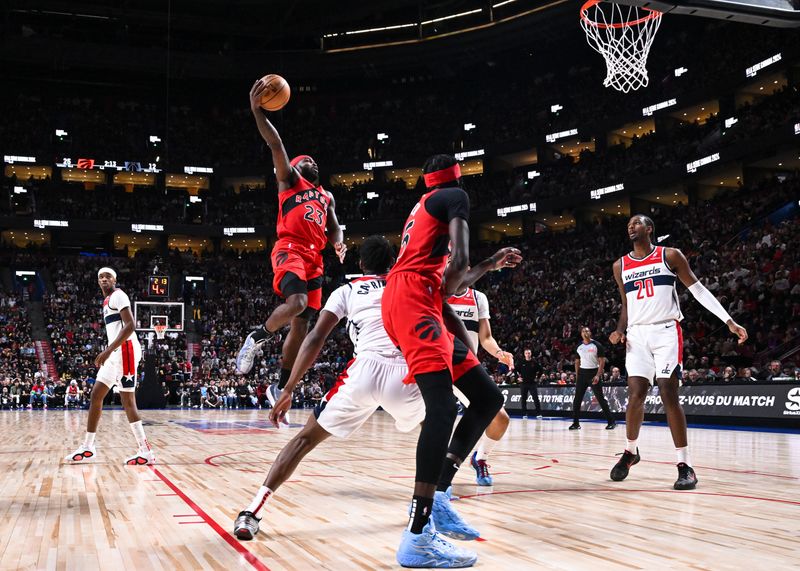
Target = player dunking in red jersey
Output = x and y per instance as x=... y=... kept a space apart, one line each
x=306 y=223
x=418 y=322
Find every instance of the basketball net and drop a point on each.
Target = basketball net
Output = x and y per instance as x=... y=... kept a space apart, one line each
x=623 y=36
x=160 y=330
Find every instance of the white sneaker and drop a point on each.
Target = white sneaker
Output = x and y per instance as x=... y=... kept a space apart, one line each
x=82 y=454
x=141 y=458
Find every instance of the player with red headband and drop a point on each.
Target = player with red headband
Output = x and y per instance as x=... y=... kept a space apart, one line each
x=306 y=223
x=422 y=325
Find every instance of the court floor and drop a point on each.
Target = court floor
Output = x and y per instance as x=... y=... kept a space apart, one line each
x=553 y=505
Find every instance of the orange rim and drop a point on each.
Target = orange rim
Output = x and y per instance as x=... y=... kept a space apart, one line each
x=585 y=17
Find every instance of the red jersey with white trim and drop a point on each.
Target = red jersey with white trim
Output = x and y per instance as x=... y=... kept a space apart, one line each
x=650 y=289
x=303 y=214
x=426 y=237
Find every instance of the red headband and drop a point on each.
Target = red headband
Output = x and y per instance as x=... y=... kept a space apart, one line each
x=445 y=175
x=299 y=158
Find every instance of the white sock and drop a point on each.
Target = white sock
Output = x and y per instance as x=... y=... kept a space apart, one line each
x=261 y=498
x=485 y=447
x=683 y=455
x=88 y=440
x=138 y=432
x=632 y=446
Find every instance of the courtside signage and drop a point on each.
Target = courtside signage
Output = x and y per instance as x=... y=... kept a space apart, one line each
x=753 y=70
x=468 y=154
x=694 y=165
x=370 y=166
x=597 y=193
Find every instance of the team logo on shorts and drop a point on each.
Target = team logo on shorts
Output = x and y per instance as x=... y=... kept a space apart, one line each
x=281 y=258
x=428 y=327
x=128 y=382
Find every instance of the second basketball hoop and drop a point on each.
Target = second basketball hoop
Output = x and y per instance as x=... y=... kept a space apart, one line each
x=623 y=36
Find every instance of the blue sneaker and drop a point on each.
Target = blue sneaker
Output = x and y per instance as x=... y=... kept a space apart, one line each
x=447 y=520
x=247 y=353
x=429 y=549
x=482 y=475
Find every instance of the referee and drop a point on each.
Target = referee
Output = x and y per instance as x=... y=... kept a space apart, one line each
x=589 y=372
x=528 y=370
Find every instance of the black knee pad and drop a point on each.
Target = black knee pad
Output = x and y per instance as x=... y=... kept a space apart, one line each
x=437 y=392
x=484 y=396
x=307 y=313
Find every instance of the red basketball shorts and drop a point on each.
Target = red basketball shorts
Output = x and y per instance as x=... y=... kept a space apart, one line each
x=412 y=315
x=289 y=258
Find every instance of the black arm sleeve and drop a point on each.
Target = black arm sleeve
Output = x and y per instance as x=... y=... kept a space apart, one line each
x=601 y=351
x=448 y=203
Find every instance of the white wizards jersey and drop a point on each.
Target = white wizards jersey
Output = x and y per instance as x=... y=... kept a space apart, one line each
x=360 y=302
x=650 y=289
x=471 y=306
x=112 y=305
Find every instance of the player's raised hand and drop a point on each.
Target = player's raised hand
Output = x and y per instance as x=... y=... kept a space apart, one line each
x=616 y=337
x=341 y=250
x=255 y=94
x=506 y=258
x=737 y=330
x=282 y=406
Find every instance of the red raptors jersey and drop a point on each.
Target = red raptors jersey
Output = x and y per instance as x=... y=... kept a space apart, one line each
x=303 y=214
x=426 y=239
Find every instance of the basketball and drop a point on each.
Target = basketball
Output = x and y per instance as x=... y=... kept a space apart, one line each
x=277 y=93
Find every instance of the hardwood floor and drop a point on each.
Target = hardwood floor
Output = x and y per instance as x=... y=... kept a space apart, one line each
x=553 y=505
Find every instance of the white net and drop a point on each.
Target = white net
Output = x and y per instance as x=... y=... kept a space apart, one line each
x=161 y=331
x=623 y=36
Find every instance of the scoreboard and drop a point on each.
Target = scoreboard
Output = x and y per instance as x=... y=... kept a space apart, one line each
x=158 y=286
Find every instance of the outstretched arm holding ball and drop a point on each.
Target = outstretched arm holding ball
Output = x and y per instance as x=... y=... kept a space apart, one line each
x=284 y=171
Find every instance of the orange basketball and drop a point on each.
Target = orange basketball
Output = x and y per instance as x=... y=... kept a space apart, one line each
x=276 y=95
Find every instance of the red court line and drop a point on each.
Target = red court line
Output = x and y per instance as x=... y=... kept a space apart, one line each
x=480 y=539
x=601 y=490
x=241 y=549
x=541 y=467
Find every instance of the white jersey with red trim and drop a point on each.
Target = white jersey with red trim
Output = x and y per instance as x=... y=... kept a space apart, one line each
x=471 y=306
x=360 y=302
x=112 y=305
x=650 y=289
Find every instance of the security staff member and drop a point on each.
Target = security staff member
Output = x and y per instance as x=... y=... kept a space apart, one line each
x=589 y=367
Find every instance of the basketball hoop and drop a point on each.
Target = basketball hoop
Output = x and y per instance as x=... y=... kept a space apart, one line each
x=623 y=36
x=160 y=330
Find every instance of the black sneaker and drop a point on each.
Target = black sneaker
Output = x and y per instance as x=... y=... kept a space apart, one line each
x=620 y=470
x=575 y=426
x=687 y=480
x=611 y=425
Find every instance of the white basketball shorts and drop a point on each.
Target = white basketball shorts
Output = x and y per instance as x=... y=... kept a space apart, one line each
x=369 y=382
x=121 y=367
x=654 y=351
